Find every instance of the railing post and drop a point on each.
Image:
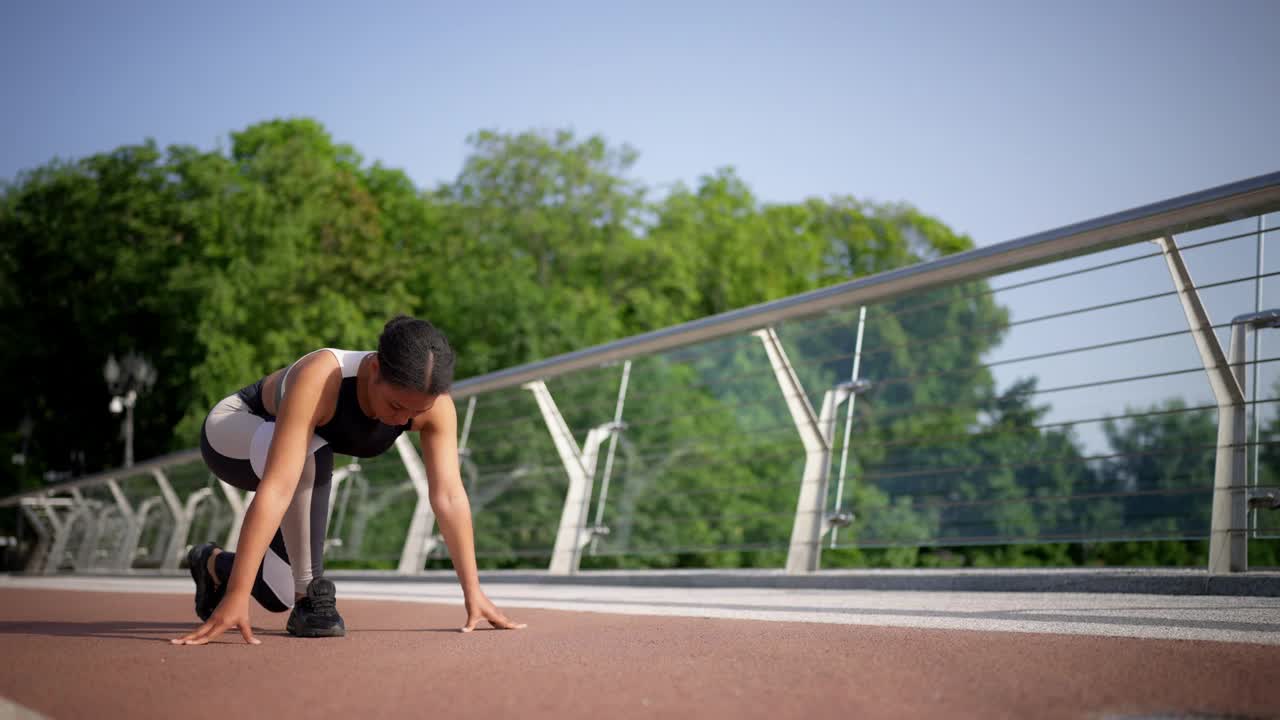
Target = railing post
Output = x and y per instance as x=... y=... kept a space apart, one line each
x=42 y=533
x=1231 y=484
x=420 y=540
x=62 y=533
x=182 y=517
x=239 y=506
x=123 y=557
x=1228 y=529
x=1229 y=539
x=88 y=550
x=598 y=527
x=47 y=528
x=857 y=385
x=580 y=465
x=804 y=553
x=144 y=512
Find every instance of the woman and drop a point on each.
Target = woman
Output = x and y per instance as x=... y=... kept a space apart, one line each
x=278 y=436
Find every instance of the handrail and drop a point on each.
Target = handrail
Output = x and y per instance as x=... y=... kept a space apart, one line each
x=1245 y=198
x=141 y=468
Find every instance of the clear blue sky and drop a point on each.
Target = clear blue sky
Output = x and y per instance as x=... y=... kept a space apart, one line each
x=1000 y=118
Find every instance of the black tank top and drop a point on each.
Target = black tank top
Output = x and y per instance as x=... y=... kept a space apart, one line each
x=349 y=431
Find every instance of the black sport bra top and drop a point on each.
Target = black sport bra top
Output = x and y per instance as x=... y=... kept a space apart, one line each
x=349 y=431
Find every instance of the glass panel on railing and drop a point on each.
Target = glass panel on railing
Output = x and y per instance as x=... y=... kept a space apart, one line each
x=372 y=505
x=516 y=482
x=696 y=477
x=1062 y=403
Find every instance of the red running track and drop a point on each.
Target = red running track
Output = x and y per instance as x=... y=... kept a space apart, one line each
x=104 y=655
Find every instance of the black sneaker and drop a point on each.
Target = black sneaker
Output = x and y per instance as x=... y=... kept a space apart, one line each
x=208 y=593
x=316 y=615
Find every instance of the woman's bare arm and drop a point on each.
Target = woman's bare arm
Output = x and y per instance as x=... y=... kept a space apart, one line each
x=439 y=438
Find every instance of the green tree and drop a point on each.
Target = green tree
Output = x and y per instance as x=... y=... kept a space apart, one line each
x=224 y=266
x=86 y=249
x=540 y=251
x=1162 y=468
x=292 y=256
x=743 y=253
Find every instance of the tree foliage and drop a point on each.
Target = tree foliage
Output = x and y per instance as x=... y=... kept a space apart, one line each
x=222 y=266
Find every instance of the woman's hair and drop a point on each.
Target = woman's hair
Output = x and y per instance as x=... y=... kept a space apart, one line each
x=415 y=354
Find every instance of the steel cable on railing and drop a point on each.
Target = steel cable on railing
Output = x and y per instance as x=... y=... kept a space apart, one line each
x=896 y=347
x=874 y=543
x=724 y=382
x=787 y=429
x=907 y=312
x=922 y=442
x=900 y=314
x=921 y=506
x=929 y=504
x=608 y=550
x=879 y=415
x=792 y=482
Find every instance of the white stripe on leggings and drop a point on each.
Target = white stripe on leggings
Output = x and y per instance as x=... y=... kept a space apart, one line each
x=278 y=576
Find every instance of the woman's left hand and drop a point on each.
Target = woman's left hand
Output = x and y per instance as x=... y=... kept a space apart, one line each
x=481 y=607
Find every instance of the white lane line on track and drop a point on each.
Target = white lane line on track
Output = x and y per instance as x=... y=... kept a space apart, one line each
x=10 y=710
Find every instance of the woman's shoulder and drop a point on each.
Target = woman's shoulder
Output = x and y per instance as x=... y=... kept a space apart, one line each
x=348 y=361
x=321 y=370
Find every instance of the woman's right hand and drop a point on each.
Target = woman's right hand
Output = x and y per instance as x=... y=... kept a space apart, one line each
x=233 y=611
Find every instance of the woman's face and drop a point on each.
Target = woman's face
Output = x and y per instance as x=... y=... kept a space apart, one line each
x=395 y=405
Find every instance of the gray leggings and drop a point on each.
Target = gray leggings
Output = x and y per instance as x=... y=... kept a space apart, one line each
x=234 y=443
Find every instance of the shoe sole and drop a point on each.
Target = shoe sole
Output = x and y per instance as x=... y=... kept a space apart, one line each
x=338 y=631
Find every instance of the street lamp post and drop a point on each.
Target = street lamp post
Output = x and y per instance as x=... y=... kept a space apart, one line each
x=126 y=380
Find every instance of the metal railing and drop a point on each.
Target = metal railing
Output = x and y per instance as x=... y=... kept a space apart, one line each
x=1035 y=393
